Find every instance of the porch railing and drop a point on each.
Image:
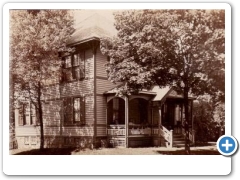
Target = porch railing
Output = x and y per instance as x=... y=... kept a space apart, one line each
x=116 y=130
x=191 y=134
x=165 y=133
x=155 y=131
x=168 y=135
x=140 y=131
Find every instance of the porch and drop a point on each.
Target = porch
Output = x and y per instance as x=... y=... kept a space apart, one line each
x=144 y=120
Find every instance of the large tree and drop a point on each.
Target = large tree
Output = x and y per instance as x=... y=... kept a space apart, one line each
x=37 y=38
x=180 y=48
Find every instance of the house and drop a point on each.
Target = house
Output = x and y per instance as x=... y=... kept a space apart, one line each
x=83 y=110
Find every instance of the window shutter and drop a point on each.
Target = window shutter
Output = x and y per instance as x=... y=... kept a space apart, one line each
x=21 y=115
x=82 y=74
x=37 y=117
x=68 y=110
x=82 y=110
x=63 y=76
x=82 y=65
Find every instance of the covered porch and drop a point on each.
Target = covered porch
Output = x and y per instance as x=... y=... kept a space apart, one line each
x=150 y=118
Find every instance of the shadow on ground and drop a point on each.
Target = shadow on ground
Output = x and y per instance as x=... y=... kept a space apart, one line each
x=193 y=152
x=48 y=151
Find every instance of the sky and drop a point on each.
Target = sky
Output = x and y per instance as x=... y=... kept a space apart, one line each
x=81 y=14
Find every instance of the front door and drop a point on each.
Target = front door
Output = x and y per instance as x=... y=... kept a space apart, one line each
x=168 y=112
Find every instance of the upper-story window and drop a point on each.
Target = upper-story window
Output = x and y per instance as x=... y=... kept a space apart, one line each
x=74 y=67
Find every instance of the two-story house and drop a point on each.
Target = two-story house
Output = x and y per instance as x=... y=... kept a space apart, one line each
x=83 y=108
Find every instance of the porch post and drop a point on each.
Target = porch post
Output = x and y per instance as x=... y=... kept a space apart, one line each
x=192 y=118
x=159 y=124
x=126 y=121
x=192 y=113
x=181 y=119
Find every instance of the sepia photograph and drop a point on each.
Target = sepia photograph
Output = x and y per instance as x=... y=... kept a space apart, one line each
x=116 y=81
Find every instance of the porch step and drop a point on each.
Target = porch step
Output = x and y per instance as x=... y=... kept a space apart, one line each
x=178 y=140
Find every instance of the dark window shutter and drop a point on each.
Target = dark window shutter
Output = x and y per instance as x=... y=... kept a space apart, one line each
x=21 y=115
x=82 y=110
x=37 y=117
x=20 y=118
x=82 y=65
x=82 y=74
x=68 y=110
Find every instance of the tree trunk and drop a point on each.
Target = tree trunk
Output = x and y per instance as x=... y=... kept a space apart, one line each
x=186 y=123
x=40 y=112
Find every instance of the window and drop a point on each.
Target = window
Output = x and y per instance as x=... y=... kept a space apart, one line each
x=74 y=67
x=74 y=111
x=27 y=114
x=116 y=111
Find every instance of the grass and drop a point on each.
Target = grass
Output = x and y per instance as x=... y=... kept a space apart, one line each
x=209 y=150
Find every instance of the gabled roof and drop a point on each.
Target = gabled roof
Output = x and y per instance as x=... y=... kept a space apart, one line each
x=160 y=92
x=93 y=27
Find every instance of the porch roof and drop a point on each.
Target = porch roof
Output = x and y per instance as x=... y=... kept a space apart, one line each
x=144 y=91
x=158 y=93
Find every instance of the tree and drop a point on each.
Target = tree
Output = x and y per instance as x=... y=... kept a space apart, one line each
x=180 y=48
x=208 y=119
x=37 y=38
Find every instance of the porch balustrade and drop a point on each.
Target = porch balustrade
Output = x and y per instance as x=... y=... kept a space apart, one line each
x=155 y=131
x=119 y=130
x=140 y=131
x=191 y=134
x=116 y=130
x=168 y=135
x=165 y=133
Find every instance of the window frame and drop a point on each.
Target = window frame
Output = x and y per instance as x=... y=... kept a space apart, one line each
x=81 y=111
x=27 y=110
x=72 y=68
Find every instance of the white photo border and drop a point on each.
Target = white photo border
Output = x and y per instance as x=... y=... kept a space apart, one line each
x=117 y=164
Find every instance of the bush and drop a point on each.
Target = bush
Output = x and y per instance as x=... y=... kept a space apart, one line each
x=209 y=120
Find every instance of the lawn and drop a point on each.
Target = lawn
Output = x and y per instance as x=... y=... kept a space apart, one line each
x=208 y=150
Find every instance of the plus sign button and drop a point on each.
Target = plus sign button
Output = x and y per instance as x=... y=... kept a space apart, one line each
x=227 y=145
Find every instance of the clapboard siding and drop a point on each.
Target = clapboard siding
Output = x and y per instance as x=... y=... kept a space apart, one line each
x=27 y=130
x=101 y=109
x=89 y=64
x=77 y=131
x=101 y=60
x=78 y=88
x=89 y=110
x=54 y=131
x=104 y=85
x=51 y=92
x=52 y=113
x=35 y=131
x=101 y=131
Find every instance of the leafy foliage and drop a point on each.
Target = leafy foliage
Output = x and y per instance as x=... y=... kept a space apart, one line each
x=181 y=48
x=176 y=47
x=208 y=120
x=37 y=37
